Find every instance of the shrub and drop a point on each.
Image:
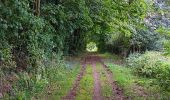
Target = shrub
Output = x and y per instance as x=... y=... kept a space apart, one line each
x=145 y=64
x=132 y=60
x=151 y=65
x=163 y=75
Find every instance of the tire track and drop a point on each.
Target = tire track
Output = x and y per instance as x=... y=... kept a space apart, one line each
x=117 y=91
x=73 y=92
x=97 y=83
x=92 y=59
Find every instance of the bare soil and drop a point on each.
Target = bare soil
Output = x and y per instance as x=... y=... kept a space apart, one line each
x=97 y=84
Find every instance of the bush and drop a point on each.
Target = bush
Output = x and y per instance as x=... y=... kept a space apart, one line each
x=133 y=59
x=145 y=64
x=163 y=75
x=151 y=65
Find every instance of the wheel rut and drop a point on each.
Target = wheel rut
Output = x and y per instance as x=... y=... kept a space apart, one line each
x=117 y=91
x=97 y=84
x=73 y=92
x=97 y=91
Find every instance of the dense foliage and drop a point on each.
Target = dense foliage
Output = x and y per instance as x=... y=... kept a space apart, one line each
x=64 y=26
x=151 y=65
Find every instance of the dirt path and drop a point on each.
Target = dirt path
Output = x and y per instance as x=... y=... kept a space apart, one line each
x=97 y=84
x=97 y=95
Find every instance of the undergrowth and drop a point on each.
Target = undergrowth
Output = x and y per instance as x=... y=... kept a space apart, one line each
x=62 y=78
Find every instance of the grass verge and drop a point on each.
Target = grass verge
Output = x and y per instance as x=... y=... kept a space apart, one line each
x=85 y=91
x=62 y=80
x=135 y=87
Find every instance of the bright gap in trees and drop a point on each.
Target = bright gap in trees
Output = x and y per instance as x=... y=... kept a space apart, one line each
x=91 y=47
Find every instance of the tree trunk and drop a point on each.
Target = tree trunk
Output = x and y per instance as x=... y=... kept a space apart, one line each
x=37 y=7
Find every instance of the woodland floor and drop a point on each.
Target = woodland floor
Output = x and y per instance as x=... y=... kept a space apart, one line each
x=97 y=80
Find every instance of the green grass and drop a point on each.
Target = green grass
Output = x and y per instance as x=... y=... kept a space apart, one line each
x=85 y=91
x=138 y=88
x=62 y=81
x=110 y=56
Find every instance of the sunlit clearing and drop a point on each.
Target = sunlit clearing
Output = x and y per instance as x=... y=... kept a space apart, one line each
x=91 y=47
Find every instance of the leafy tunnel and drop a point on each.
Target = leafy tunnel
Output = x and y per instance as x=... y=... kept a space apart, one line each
x=36 y=34
x=64 y=27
